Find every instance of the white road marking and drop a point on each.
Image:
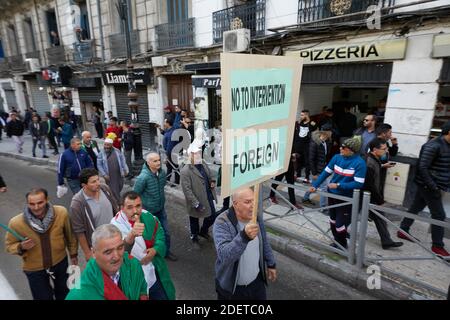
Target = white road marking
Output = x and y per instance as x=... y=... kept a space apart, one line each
x=6 y=291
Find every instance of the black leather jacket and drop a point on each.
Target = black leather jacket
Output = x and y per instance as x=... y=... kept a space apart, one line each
x=433 y=167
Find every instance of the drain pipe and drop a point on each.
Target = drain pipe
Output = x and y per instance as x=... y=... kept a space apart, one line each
x=100 y=27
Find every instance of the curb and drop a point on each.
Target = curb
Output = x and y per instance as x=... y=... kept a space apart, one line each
x=39 y=161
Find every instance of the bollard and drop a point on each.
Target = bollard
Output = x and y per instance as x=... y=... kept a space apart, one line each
x=363 y=230
x=354 y=224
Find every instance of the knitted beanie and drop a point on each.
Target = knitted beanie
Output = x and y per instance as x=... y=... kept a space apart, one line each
x=353 y=143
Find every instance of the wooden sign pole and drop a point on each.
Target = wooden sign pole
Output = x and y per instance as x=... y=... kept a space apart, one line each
x=255 y=203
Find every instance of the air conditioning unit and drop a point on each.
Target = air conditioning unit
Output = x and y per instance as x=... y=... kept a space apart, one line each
x=236 y=40
x=32 y=65
x=159 y=61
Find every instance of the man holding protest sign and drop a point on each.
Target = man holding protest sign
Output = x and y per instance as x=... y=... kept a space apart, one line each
x=260 y=98
x=244 y=257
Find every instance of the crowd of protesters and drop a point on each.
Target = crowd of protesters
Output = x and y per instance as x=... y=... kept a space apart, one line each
x=125 y=237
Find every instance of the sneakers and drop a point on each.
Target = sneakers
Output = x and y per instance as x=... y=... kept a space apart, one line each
x=170 y=256
x=274 y=200
x=402 y=235
x=391 y=245
x=441 y=252
x=308 y=202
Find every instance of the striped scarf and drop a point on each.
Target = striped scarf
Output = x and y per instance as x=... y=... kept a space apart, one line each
x=38 y=225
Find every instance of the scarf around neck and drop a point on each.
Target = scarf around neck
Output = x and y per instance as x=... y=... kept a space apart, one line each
x=38 y=225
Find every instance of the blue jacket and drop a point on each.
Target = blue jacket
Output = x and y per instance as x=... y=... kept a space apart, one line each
x=66 y=133
x=168 y=144
x=176 y=122
x=102 y=163
x=349 y=172
x=231 y=244
x=71 y=163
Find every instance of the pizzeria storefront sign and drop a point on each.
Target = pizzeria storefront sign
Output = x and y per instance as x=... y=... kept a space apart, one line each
x=353 y=52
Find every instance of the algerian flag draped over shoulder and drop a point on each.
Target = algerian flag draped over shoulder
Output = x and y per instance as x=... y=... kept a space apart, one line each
x=92 y=286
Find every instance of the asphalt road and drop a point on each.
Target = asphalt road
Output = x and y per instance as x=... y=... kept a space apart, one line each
x=192 y=274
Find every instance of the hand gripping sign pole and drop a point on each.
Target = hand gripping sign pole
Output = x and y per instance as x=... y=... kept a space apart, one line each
x=255 y=203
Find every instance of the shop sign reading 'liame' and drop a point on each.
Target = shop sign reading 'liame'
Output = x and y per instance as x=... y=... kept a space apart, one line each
x=352 y=52
x=117 y=77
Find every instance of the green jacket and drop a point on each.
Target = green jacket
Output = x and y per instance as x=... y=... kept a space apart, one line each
x=151 y=189
x=92 y=287
x=94 y=146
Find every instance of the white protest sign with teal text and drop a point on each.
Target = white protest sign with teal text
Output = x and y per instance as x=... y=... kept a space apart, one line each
x=259 y=102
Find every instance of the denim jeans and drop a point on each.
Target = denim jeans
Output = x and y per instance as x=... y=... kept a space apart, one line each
x=41 y=142
x=322 y=187
x=40 y=282
x=74 y=185
x=162 y=216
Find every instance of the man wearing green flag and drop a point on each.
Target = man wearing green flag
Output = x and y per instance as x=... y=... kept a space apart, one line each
x=112 y=274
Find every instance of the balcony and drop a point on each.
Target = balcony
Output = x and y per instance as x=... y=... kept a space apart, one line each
x=317 y=10
x=16 y=63
x=175 y=35
x=56 y=55
x=118 y=47
x=251 y=16
x=4 y=67
x=32 y=55
x=83 y=52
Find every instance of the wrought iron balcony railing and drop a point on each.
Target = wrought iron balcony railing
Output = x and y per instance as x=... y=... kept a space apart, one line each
x=56 y=55
x=16 y=63
x=250 y=16
x=4 y=66
x=32 y=55
x=175 y=35
x=118 y=47
x=317 y=10
x=83 y=52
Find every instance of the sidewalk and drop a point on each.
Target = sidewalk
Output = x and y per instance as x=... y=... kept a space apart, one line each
x=433 y=273
x=287 y=236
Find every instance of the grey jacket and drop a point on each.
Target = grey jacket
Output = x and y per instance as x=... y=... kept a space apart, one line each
x=194 y=190
x=230 y=245
x=81 y=216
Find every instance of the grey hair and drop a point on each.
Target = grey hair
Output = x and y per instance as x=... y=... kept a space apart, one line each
x=106 y=231
x=73 y=140
x=147 y=157
x=237 y=194
x=85 y=133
